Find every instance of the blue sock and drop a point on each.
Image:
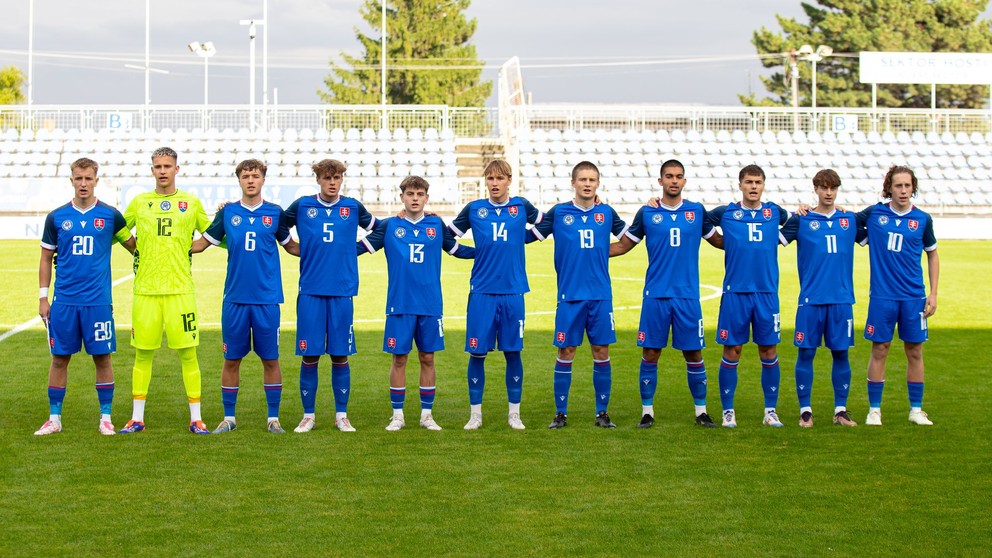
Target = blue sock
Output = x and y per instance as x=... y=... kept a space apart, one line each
x=602 y=379
x=648 y=380
x=804 y=376
x=728 y=382
x=563 y=382
x=695 y=376
x=273 y=397
x=105 y=395
x=771 y=377
x=55 y=397
x=476 y=378
x=341 y=383
x=514 y=376
x=308 y=385
x=841 y=377
x=397 y=395
x=915 y=394
x=229 y=397
x=427 y=394
x=875 y=394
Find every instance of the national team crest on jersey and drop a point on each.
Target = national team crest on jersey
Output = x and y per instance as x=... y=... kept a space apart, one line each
x=800 y=336
x=599 y=218
x=568 y=219
x=512 y=210
x=391 y=342
x=883 y=220
x=482 y=213
x=266 y=221
x=814 y=225
x=560 y=336
x=656 y=219
x=303 y=344
x=183 y=206
x=844 y=223
x=738 y=214
x=165 y=205
x=473 y=342
x=67 y=225
x=431 y=233
x=690 y=216
x=641 y=337
x=870 y=329
x=913 y=224
x=98 y=224
x=344 y=212
x=312 y=212
x=766 y=213
x=236 y=220
x=399 y=232
x=724 y=334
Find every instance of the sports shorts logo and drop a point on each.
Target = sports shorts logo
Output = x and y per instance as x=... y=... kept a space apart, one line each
x=814 y=225
x=690 y=216
x=303 y=344
x=913 y=224
x=224 y=347
x=391 y=342
x=844 y=223
x=400 y=232
x=51 y=342
x=600 y=218
x=767 y=213
x=870 y=329
x=800 y=336
x=482 y=213
x=344 y=212
x=883 y=220
x=431 y=233
x=236 y=220
x=656 y=219
x=641 y=336
x=67 y=225
x=165 y=205
x=512 y=210
x=568 y=219
x=98 y=224
x=724 y=334
x=183 y=206
x=738 y=214
x=312 y=212
x=560 y=336
x=473 y=343
x=266 y=221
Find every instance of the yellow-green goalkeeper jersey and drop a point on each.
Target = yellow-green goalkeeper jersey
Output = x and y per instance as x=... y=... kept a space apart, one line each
x=164 y=229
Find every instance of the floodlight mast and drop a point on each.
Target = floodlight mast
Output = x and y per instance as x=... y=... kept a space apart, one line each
x=204 y=51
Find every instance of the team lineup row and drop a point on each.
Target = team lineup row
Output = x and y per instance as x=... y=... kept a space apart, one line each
x=78 y=238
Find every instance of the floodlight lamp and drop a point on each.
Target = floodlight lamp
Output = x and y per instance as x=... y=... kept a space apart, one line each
x=805 y=50
x=194 y=46
x=823 y=51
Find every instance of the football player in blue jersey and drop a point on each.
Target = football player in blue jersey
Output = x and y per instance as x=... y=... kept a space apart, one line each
x=673 y=228
x=898 y=234
x=750 y=290
x=414 y=308
x=582 y=231
x=327 y=227
x=253 y=229
x=825 y=238
x=495 y=315
x=78 y=238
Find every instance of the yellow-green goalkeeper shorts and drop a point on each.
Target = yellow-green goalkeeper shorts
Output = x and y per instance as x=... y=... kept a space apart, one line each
x=173 y=314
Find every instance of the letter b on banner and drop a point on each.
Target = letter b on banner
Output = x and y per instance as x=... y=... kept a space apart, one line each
x=120 y=120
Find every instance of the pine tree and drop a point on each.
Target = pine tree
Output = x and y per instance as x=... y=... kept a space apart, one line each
x=11 y=80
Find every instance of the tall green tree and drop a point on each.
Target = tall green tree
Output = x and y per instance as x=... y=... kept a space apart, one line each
x=422 y=37
x=852 y=26
x=11 y=81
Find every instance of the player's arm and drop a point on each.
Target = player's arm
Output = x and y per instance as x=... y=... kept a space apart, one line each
x=790 y=231
x=374 y=241
x=622 y=246
x=212 y=235
x=365 y=219
x=933 y=272
x=630 y=237
x=44 y=281
x=461 y=224
x=535 y=215
x=123 y=234
x=453 y=248
x=714 y=216
x=284 y=237
x=542 y=229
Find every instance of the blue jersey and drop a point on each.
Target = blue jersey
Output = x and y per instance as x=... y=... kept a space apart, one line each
x=327 y=232
x=499 y=232
x=896 y=242
x=673 y=235
x=253 y=235
x=750 y=243
x=582 y=248
x=413 y=258
x=825 y=254
x=81 y=240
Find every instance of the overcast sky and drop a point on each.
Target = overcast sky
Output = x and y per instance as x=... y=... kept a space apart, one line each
x=81 y=47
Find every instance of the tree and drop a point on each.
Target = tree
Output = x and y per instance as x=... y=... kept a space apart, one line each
x=852 y=26
x=419 y=33
x=11 y=80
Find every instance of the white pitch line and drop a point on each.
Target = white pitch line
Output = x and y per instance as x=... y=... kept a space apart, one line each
x=37 y=319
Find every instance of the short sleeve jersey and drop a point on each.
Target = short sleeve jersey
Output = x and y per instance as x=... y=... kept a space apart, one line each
x=750 y=243
x=582 y=248
x=895 y=243
x=164 y=226
x=253 y=234
x=82 y=240
x=499 y=232
x=825 y=255
x=413 y=259
x=673 y=235
x=328 y=232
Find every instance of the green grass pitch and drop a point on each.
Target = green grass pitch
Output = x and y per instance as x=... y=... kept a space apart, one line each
x=672 y=490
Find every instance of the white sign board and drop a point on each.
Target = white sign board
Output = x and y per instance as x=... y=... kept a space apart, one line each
x=966 y=68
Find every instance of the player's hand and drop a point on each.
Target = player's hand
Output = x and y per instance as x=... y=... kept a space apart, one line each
x=401 y=214
x=654 y=202
x=805 y=208
x=44 y=310
x=931 y=306
x=222 y=205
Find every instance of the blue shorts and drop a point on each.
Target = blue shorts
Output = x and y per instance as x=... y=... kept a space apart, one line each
x=402 y=329
x=744 y=313
x=491 y=318
x=683 y=316
x=883 y=315
x=325 y=325
x=71 y=327
x=594 y=317
x=831 y=323
x=247 y=326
